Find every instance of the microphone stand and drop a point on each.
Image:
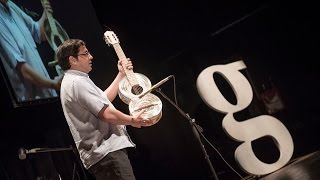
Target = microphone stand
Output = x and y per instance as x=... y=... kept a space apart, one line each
x=195 y=129
x=43 y=150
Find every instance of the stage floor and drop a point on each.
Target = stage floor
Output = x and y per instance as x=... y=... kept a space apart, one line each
x=304 y=168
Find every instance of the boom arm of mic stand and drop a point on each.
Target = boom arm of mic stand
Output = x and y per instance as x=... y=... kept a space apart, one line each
x=53 y=149
x=65 y=149
x=195 y=129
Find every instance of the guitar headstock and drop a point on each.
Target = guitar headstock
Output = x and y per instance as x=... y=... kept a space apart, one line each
x=110 y=38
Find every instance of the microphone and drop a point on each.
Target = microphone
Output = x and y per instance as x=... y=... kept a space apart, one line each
x=22 y=152
x=156 y=86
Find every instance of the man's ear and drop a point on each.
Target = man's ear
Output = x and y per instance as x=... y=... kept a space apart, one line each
x=72 y=60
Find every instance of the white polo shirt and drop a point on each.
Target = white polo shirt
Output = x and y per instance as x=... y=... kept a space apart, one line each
x=81 y=102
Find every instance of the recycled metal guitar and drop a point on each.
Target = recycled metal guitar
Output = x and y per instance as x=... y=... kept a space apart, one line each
x=134 y=84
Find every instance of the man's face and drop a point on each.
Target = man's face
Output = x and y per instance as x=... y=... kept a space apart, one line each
x=82 y=61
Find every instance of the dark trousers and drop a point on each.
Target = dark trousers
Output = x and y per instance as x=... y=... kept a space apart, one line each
x=115 y=166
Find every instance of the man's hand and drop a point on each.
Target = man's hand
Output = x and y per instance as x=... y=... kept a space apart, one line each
x=138 y=121
x=127 y=64
x=57 y=82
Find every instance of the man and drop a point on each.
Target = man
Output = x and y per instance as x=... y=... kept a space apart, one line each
x=19 y=34
x=97 y=127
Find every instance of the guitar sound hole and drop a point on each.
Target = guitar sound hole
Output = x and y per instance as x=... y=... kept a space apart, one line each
x=136 y=89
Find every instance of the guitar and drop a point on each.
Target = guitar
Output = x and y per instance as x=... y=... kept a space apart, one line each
x=55 y=35
x=134 y=84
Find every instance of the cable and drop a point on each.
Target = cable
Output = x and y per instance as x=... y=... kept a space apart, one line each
x=218 y=153
x=4 y=170
x=174 y=90
x=194 y=130
x=197 y=127
x=74 y=170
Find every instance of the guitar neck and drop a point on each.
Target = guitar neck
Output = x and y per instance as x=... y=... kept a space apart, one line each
x=129 y=73
x=50 y=18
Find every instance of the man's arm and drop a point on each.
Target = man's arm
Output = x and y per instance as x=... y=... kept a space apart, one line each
x=111 y=115
x=38 y=80
x=112 y=91
x=46 y=8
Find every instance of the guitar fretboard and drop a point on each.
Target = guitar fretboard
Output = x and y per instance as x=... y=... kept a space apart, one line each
x=129 y=73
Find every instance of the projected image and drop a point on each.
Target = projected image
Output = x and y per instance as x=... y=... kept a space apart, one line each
x=31 y=31
x=20 y=35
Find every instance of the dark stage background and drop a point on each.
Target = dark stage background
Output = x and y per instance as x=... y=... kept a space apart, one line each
x=277 y=42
